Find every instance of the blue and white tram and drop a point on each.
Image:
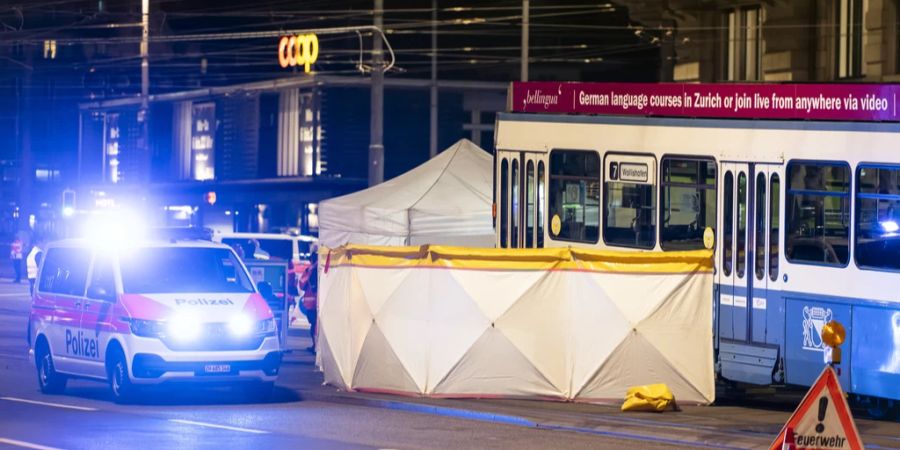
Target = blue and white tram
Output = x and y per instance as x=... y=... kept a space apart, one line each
x=806 y=217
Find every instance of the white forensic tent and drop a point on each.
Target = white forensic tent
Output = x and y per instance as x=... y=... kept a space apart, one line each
x=560 y=323
x=446 y=200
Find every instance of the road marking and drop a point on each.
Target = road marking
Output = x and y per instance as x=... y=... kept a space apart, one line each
x=223 y=427
x=24 y=295
x=25 y=444
x=55 y=405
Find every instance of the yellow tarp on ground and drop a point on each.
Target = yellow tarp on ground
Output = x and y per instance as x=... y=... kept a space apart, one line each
x=561 y=323
x=651 y=397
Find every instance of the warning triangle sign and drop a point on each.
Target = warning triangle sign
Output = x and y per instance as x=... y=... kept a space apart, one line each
x=823 y=420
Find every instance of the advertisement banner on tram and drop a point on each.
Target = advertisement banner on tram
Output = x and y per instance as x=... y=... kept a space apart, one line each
x=853 y=102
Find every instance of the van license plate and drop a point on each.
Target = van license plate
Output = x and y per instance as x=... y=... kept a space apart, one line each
x=217 y=368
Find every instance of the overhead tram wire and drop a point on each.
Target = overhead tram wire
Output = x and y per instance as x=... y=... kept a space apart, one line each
x=394 y=25
x=418 y=23
x=368 y=13
x=407 y=25
x=234 y=36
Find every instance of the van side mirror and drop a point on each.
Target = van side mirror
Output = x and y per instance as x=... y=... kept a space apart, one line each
x=100 y=293
x=265 y=289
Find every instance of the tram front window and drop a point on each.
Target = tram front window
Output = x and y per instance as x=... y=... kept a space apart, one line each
x=878 y=217
x=574 y=193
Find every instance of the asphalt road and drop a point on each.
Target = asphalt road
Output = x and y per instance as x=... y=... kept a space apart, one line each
x=85 y=417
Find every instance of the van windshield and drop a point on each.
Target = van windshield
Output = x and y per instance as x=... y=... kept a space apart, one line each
x=182 y=270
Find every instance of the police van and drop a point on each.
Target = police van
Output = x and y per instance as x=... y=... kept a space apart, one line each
x=149 y=313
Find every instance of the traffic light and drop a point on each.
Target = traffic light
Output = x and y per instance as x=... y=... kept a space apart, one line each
x=68 y=202
x=210 y=197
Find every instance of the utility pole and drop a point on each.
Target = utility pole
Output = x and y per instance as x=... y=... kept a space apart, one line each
x=25 y=121
x=144 y=113
x=376 y=129
x=145 y=64
x=524 y=68
x=433 y=141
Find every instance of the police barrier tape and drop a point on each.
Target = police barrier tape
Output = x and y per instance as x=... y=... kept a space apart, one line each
x=299 y=50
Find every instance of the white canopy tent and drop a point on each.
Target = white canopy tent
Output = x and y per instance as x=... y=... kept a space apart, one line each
x=446 y=200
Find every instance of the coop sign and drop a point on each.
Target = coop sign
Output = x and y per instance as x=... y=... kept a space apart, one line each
x=300 y=50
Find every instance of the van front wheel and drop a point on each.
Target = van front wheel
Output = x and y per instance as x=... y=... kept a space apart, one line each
x=123 y=390
x=49 y=380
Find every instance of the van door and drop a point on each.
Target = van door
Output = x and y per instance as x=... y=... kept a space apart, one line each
x=97 y=315
x=61 y=289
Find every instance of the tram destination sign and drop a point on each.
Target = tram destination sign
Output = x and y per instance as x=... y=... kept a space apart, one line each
x=848 y=102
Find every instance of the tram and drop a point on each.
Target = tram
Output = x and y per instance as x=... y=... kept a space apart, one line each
x=803 y=201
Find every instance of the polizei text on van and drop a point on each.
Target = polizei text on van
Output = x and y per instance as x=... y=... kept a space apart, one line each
x=203 y=302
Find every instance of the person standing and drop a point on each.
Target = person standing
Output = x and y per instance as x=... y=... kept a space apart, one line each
x=33 y=262
x=15 y=255
x=309 y=284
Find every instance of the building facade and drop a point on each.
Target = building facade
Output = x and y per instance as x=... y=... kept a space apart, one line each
x=260 y=156
x=777 y=41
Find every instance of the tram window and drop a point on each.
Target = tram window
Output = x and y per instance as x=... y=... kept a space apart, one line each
x=877 y=217
x=759 y=257
x=629 y=191
x=688 y=202
x=740 y=254
x=504 y=202
x=540 y=205
x=529 y=205
x=774 y=221
x=728 y=224
x=575 y=195
x=514 y=232
x=630 y=217
x=818 y=222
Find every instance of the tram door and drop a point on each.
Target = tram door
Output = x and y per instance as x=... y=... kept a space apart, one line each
x=747 y=253
x=521 y=205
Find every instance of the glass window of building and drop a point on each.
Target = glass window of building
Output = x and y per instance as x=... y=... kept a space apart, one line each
x=849 y=45
x=203 y=132
x=742 y=44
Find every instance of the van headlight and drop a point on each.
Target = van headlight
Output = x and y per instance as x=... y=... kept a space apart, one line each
x=240 y=325
x=147 y=328
x=266 y=327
